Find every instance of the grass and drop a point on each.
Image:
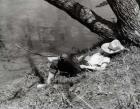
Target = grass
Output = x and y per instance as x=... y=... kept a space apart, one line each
x=117 y=87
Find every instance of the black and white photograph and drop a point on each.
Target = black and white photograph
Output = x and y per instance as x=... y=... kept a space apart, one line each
x=69 y=54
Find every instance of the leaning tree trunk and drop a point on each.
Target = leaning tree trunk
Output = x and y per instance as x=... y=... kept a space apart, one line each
x=86 y=17
x=126 y=11
x=128 y=16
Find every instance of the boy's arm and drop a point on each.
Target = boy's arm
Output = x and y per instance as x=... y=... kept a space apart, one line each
x=63 y=80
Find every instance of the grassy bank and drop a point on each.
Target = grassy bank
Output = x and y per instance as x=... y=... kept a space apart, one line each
x=117 y=87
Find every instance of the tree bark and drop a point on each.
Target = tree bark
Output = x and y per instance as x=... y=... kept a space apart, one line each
x=128 y=16
x=87 y=17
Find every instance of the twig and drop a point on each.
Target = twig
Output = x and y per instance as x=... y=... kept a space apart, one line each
x=84 y=101
x=67 y=100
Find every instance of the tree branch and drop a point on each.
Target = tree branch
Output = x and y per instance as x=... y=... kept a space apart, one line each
x=87 y=17
x=104 y=3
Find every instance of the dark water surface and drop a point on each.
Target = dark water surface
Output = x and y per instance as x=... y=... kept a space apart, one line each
x=59 y=33
x=62 y=31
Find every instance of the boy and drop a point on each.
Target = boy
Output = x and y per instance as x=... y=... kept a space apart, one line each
x=66 y=65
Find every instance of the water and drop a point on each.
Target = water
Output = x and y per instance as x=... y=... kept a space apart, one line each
x=63 y=34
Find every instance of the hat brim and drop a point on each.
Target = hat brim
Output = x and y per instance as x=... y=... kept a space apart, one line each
x=105 y=48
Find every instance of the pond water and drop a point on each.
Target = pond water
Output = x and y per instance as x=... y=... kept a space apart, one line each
x=61 y=32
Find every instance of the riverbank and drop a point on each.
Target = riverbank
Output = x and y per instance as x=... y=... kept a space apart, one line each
x=116 y=87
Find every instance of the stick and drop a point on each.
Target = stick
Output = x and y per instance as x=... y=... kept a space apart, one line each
x=84 y=102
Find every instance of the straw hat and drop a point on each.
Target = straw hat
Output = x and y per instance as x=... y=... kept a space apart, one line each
x=113 y=47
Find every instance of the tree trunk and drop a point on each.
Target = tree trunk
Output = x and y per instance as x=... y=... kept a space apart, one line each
x=128 y=16
x=127 y=13
x=87 y=17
